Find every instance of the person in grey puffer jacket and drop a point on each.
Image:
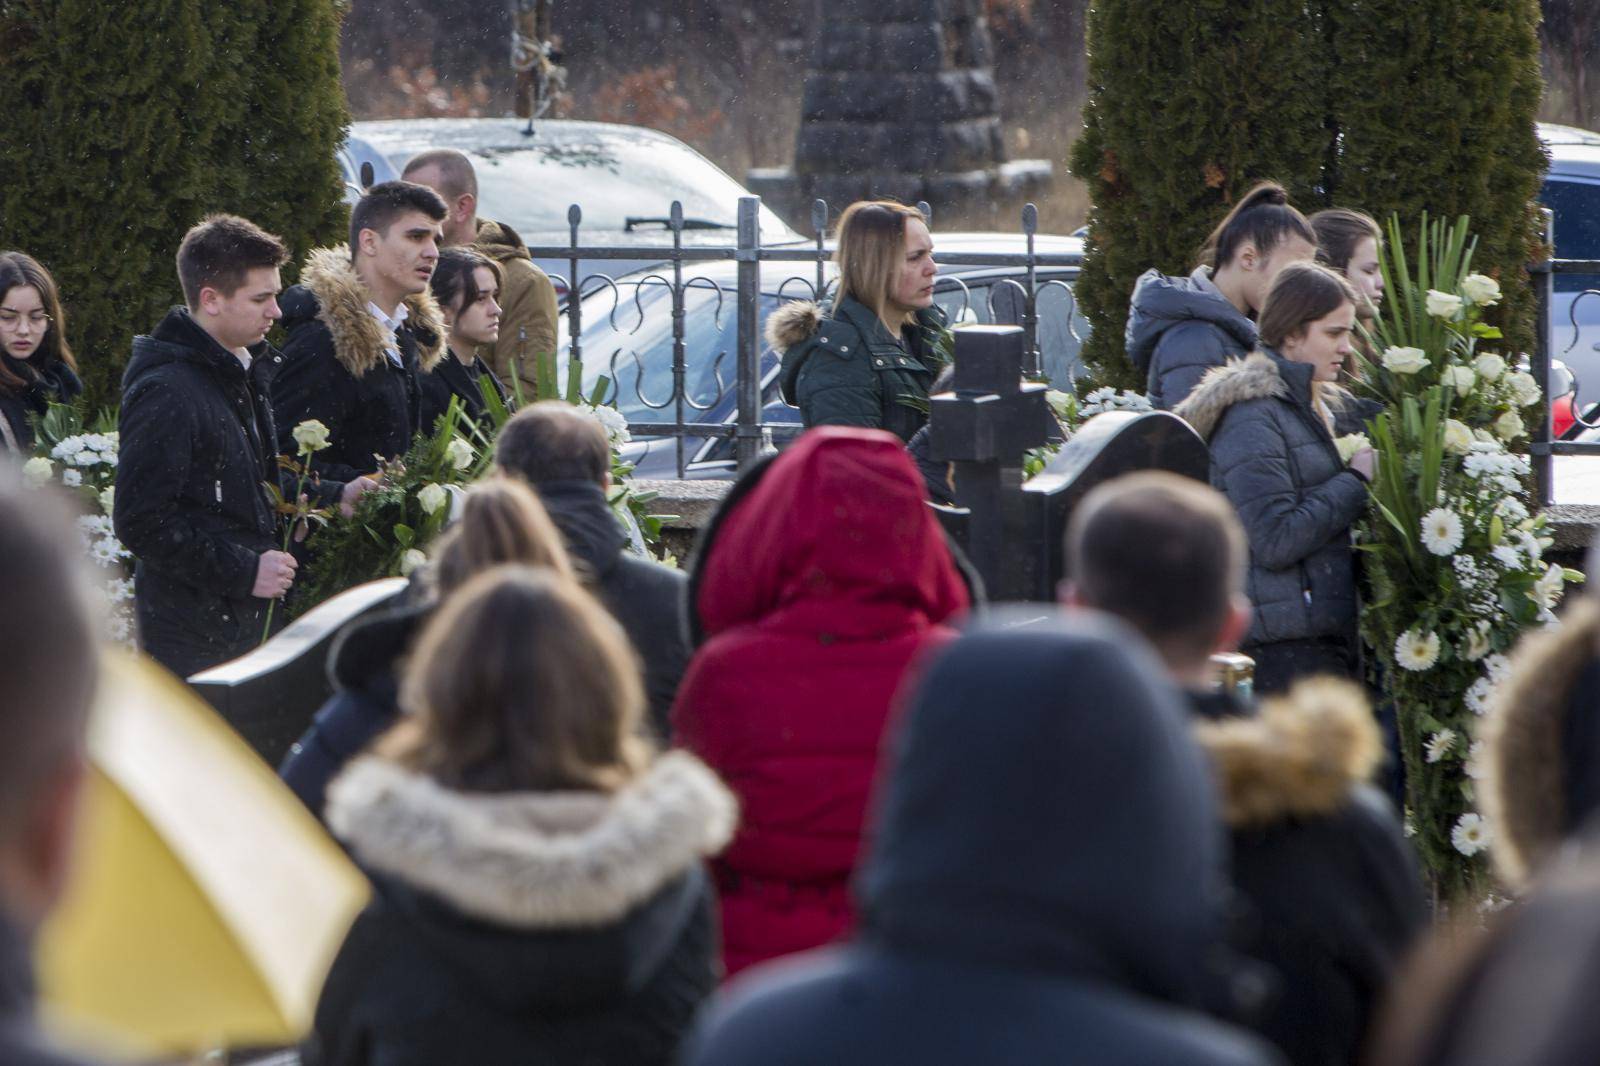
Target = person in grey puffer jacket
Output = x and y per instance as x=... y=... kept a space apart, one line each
x=1268 y=420
x=1181 y=327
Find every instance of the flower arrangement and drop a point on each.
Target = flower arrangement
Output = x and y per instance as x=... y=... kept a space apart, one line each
x=85 y=462
x=1453 y=551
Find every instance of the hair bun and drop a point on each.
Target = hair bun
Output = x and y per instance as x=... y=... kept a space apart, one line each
x=1268 y=192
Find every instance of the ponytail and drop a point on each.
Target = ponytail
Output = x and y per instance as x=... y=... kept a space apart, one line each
x=1264 y=218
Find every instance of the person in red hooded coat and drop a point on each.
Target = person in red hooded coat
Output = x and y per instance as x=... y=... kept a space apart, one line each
x=822 y=579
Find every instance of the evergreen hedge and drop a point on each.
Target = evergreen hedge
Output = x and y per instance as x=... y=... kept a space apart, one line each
x=1382 y=105
x=126 y=123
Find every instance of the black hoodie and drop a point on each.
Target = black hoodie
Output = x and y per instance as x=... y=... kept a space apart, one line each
x=196 y=449
x=1044 y=883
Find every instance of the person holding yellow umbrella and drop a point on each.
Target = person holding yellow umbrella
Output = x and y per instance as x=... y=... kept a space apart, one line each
x=47 y=681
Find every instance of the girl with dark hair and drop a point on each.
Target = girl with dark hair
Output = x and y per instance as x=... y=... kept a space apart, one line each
x=539 y=887
x=36 y=366
x=868 y=360
x=1350 y=242
x=1269 y=420
x=1179 y=328
x=467 y=286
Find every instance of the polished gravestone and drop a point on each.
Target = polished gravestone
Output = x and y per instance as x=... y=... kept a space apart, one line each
x=270 y=695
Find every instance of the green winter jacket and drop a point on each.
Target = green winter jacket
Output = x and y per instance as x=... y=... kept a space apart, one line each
x=844 y=367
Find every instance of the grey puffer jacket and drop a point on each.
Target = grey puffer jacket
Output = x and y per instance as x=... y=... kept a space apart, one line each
x=1179 y=328
x=1275 y=460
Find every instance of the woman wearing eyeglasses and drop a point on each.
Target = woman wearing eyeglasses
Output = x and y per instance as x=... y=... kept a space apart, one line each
x=36 y=366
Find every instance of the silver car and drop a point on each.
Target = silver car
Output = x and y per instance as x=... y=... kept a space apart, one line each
x=1571 y=191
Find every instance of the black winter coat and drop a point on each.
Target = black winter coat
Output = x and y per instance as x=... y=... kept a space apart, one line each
x=21 y=1042
x=1018 y=910
x=847 y=369
x=1330 y=897
x=335 y=368
x=517 y=928
x=450 y=377
x=1179 y=328
x=54 y=382
x=1274 y=458
x=195 y=455
x=647 y=598
x=364 y=666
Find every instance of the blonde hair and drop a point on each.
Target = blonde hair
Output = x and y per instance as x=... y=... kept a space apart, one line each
x=522 y=682
x=502 y=521
x=872 y=243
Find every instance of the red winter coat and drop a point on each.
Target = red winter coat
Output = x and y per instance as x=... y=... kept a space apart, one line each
x=816 y=589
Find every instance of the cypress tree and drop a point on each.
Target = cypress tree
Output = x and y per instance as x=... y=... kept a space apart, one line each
x=127 y=122
x=1460 y=138
x=1190 y=104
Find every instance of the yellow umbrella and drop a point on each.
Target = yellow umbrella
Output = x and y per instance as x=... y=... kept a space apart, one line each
x=207 y=903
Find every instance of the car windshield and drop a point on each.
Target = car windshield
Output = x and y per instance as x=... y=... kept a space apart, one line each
x=1576 y=205
x=613 y=178
x=639 y=346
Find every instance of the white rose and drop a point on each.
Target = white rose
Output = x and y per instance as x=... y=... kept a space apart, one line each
x=459 y=453
x=432 y=497
x=410 y=561
x=311 y=435
x=1351 y=443
x=1509 y=426
x=1461 y=377
x=1457 y=436
x=1480 y=289
x=38 y=470
x=1442 y=304
x=1489 y=366
x=1404 y=360
x=1524 y=389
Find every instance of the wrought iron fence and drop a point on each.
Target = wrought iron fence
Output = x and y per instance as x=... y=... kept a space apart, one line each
x=1014 y=299
x=1543 y=447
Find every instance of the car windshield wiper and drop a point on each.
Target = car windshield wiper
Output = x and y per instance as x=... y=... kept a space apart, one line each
x=629 y=224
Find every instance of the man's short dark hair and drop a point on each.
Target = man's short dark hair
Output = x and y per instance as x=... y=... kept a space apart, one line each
x=553 y=441
x=1164 y=553
x=387 y=201
x=48 y=670
x=220 y=251
x=456 y=175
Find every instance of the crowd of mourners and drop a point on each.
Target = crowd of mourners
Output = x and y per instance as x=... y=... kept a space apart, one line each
x=811 y=800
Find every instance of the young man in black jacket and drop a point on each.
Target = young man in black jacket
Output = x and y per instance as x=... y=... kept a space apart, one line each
x=361 y=326
x=197 y=451
x=1329 y=892
x=565 y=455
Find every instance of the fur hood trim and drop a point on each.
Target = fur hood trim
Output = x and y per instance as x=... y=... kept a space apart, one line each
x=1524 y=786
x=358 y=339
x=793 y=323
x=1301 y=756
x=1255 y=377
x=545 y=860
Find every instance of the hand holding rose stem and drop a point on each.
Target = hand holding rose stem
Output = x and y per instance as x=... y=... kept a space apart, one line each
x=311 y=436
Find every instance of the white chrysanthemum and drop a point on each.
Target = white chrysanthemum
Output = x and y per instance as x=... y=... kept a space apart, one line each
x=1443 y=304
x=121 y=628
x=1481 y=289
x=612 y=422
x=71 y=478
x=86 y=458
x=1471 y=835
x=38 y=470
x=105 y=551
x=94 y=525
x=410 y=561
x=1506 y=556
x=1498 y=666
x=1475 y=767
x=1477 y=695
x=1461 y=378
x=66 y=448
x=1457 y=436
x=1101 y=395
x=1417 y=651
x=459 y=453
x=1510 y=508
x=432 y=497
x=120 y=589
x=1477 y=643
x=1489 y=366
x=1403 y=360
x=1442 y=531
x=1440 y=743
x=1509 y=426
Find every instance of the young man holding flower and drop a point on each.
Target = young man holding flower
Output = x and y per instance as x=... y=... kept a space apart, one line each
x=197 y=453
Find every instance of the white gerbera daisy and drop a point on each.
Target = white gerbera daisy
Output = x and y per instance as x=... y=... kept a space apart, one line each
x=1499 y=668
x=1477 y=644
x=1477 y=696
x=1442 y=531
x=71 y=478
x=1440 y=743
x=1472 y=834
x=1475 y=767
x=1417 y=651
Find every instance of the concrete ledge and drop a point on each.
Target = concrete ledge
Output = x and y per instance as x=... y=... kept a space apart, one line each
x=1573 y=525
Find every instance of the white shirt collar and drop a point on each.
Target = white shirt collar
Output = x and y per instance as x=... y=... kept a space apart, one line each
x=391 y=324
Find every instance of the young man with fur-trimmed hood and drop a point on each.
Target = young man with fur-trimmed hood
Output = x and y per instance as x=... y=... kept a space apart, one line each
x=361 y=325
x=1329 y=894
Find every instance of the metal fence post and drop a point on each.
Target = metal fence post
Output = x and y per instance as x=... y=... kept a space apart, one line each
x=747 y=432
x=574 y=302
x=1544 y=289
x=1033 y=365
